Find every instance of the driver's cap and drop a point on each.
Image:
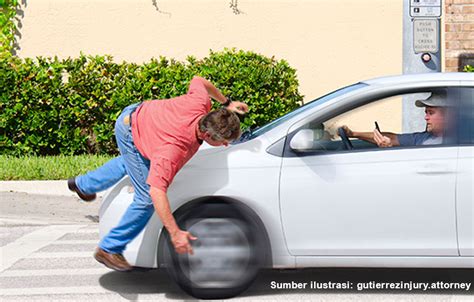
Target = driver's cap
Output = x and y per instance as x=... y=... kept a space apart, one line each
x=437 y=99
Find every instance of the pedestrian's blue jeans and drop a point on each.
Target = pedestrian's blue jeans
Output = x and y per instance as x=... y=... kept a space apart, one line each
x=129 y=162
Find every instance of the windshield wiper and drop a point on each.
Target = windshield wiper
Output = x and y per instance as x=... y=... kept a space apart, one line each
x=247 y=134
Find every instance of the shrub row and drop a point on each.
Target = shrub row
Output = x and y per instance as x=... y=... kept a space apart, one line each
x=51 y=106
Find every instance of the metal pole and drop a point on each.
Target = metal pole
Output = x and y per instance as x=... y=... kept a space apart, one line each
x=421 y=52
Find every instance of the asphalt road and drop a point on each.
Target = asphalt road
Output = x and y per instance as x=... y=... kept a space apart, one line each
x=46 y=245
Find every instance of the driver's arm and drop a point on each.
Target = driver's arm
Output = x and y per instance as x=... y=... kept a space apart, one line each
x=386 y=139
x=369 y=136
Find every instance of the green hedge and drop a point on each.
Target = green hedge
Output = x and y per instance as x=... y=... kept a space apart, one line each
x=8 y=27
x=51 y=106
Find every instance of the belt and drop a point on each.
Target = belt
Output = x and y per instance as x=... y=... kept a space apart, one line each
x=127 y=120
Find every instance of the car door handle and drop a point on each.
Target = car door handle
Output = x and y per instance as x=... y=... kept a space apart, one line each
x=434 y=170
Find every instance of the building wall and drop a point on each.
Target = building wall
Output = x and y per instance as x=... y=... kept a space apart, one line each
x=459 y=34
x=330 y=43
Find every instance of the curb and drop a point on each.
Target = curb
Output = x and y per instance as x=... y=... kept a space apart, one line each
x=39 y=187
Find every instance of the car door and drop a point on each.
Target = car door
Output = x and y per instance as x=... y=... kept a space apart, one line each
x=370 y=202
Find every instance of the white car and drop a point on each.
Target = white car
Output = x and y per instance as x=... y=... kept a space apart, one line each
x=292 y=194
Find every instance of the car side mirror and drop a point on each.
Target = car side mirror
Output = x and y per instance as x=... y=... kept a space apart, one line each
x=303 y=140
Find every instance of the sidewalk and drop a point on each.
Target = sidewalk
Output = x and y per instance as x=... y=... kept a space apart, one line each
x=44 y=202
x=39 y=187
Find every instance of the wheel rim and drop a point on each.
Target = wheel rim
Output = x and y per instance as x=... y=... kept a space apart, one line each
x=222 y=254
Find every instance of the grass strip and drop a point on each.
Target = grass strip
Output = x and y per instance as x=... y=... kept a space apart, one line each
x=48 y=167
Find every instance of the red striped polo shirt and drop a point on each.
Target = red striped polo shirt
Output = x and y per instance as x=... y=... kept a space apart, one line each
x=164 y=131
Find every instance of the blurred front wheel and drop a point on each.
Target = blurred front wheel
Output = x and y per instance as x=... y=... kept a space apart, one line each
x=227 y=254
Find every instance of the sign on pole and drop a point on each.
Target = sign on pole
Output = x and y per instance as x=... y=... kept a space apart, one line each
x=425 y=35
x=421 y=51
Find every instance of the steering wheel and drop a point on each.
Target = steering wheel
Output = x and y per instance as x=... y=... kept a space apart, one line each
x=345 y=140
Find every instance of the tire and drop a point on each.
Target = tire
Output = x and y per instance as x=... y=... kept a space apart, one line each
x=228 y=253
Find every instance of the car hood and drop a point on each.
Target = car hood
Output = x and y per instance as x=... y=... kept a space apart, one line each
x=206 y=149
x=233 y=156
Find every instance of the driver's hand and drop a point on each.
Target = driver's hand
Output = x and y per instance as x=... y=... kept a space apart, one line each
x=348 y=131
x=181 y=243
x=381 y=140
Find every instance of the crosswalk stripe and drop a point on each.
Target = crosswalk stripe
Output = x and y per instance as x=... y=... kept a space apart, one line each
x=23 y=221
x=88 y=231
x=54 y=272
x=53 y=291
x=29 y=243
x=44 y=255
x=75 y=242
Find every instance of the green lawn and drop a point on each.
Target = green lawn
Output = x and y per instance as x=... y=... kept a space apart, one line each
x=48 y=167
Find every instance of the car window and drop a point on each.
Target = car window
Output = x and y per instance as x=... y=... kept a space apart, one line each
x=359 y=124
x=465 y=97
x=250 y=134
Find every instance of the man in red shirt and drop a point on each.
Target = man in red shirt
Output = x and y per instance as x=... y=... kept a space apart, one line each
x=156 y=138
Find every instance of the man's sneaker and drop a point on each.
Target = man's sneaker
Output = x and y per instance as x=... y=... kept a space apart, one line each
x=114 y=261
x=71 y=183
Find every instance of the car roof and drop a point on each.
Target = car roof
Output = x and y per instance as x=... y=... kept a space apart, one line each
x=421 y=77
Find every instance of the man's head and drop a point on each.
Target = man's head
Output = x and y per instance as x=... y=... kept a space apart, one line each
x=435 y=112
x=219 y=127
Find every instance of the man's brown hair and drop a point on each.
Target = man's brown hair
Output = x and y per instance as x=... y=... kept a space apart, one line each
x=221 y=124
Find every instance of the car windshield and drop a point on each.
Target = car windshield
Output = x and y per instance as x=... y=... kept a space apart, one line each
x=252 y=133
